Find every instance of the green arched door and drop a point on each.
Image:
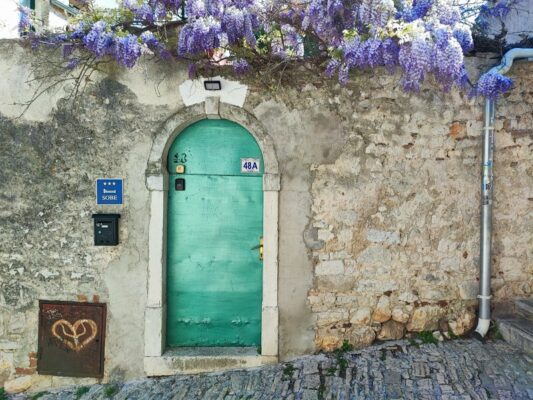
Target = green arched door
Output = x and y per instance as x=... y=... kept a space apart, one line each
x=214 y=227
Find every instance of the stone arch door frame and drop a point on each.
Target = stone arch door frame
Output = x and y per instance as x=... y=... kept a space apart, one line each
x=157 y=359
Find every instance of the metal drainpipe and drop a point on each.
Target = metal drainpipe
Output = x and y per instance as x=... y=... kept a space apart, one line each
x=487 y=186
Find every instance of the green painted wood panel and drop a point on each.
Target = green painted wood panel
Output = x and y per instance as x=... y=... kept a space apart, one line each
x=213 y=147
x=214 y=274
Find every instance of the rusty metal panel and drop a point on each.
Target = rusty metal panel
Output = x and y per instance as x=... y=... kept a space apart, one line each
x=71 y=338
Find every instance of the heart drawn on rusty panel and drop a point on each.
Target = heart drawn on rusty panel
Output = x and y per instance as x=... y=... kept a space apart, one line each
x=72 y=334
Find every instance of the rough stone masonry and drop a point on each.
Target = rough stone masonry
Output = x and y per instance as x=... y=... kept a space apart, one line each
x=378 y=218
x=395 y=217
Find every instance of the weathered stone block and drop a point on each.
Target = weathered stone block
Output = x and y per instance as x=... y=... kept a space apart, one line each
x=18 y=385
x=382 y=312
x=331 y=317
x=425 y=318
x=361 y=336
x=450 y=264
x=375 y=255
x=512 y=269
x=335 y=283
x=464 y=323
x=6 y=368
x=399 y=314
x=330 y=267
x=375 y=287
x=361 y=317
x=324 y=234
x=457 y=130
x=391 y=330
x=329 y=343
x=346 y=300
x=468 y=290
x=377 y=236
x=447 y=246
x=408 y=297
x=433 y=293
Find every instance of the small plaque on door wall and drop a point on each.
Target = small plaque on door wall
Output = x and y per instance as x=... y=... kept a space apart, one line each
x=71 y=338
x=252 y=165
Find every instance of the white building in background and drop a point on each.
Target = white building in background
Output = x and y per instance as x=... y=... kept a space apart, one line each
x=49 y=14
x=516 y=26
x=9 y=17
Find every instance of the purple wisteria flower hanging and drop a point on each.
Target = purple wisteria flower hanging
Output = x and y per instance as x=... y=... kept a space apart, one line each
x=416 y=38
x=24 y=20
x=241 y=66
x=127 y=50
x=99 y=40
x=492 y=84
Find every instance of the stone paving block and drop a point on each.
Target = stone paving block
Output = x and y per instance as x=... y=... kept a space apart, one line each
x=420 y=369
x=309 y=395
x=446 y=389
x=394 y=391
x=311 y=381
x=425 y=385
x=392 y=377
x=410 y=374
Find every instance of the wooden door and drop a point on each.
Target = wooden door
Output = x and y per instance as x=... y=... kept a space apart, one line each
x=214 y=228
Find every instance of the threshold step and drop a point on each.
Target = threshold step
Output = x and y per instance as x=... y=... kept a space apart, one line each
x=517 y=331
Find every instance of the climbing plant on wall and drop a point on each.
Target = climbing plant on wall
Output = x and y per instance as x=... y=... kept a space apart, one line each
x=418 y=38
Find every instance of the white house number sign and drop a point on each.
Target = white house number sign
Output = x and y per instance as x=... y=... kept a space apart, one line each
x=250 y=165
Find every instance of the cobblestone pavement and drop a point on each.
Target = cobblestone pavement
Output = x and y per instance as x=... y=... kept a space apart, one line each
x=460 y=369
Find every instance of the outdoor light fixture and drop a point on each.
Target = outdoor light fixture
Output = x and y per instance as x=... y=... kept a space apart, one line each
x=212 y=85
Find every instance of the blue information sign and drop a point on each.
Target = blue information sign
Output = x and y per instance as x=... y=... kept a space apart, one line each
x=109 y=191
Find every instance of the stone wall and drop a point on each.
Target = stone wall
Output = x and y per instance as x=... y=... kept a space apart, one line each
x=379 y=205
x=396 y=216
x=47 y=172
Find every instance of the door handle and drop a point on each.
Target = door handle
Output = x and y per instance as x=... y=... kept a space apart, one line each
x=260 y=247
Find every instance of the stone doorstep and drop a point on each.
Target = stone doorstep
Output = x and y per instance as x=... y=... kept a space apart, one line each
x=524 y=308
x=207 y=359
x=517 y=331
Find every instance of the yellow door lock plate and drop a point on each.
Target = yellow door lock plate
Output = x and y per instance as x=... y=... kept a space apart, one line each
x=260 y=247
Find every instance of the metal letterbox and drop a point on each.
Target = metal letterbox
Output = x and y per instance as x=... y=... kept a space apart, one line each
x=106 y=229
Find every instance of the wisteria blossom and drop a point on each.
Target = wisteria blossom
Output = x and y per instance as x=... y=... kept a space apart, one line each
x=241 y=66
x=492 y=84
x=128 y=50
x=418 y=38
x=499 y=9
x=24 y=20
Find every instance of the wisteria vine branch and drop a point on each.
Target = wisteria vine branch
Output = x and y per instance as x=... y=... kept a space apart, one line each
x=418 y=38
